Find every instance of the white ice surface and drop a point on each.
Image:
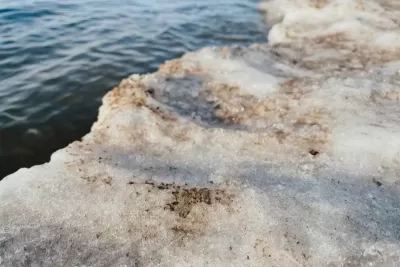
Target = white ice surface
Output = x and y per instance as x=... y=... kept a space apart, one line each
x=281 y=154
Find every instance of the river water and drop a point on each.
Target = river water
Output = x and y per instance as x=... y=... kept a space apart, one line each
x=58 y=58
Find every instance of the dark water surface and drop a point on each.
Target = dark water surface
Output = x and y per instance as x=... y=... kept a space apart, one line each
x=59 y=57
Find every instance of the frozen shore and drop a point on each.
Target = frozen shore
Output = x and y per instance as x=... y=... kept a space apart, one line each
x=278 y=154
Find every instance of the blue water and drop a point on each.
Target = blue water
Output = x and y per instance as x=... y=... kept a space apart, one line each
x=59 y=57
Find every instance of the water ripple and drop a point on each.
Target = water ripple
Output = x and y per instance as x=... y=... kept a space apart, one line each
x=58 y=58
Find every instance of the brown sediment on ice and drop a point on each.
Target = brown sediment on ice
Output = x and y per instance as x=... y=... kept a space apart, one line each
x=279 y=154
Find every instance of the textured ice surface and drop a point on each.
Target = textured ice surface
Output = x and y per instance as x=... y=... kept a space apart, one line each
x=285 y=154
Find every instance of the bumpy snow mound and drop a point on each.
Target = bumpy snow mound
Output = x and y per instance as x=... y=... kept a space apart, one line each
x=270 y=155
x=363 y=32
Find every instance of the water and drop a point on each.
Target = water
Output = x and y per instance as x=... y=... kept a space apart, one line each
x=58 y=58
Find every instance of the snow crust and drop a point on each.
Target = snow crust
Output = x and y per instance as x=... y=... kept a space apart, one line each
x=279 y=154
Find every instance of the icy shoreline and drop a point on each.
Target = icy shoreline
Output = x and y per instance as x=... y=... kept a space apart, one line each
x=279 y=154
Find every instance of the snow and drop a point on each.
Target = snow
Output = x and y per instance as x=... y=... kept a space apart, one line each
x=280 y=154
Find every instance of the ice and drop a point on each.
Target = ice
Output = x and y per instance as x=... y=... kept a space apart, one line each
x=280 y=154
